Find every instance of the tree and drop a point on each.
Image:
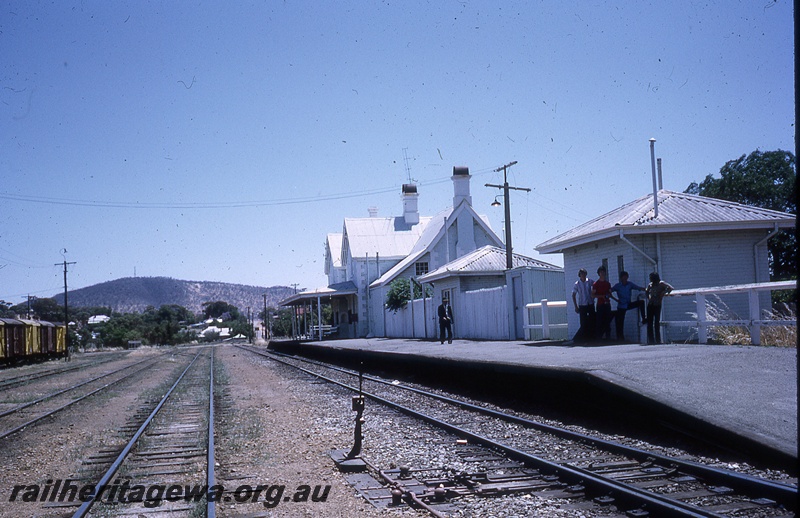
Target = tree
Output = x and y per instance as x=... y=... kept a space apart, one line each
x=763 y=179
x=281 y=326
x=400 y=293
x=219 y=308
x=41 y=309
x=163 y=325
x=5 y=309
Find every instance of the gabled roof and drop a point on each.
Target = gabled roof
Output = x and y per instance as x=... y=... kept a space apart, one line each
x=487 y=260
x=388 y=237
x=333 y=244
x=677 y=212
x=433 y=233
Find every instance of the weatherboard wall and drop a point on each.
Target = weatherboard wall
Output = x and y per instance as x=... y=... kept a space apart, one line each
x=688 y=260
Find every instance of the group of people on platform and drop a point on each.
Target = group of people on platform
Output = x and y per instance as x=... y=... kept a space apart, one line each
x=592 y=300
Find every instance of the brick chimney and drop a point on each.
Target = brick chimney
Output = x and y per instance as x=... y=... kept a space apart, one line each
x=461 y=178
x=410 y=198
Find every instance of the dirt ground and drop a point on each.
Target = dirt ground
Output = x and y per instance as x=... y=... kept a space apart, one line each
x=274 y=433
x=54 y=449
x=270 y=434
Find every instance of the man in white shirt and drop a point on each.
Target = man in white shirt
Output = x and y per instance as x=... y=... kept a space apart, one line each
x=584 y=306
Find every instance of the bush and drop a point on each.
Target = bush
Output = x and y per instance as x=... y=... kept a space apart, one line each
x=779 y=336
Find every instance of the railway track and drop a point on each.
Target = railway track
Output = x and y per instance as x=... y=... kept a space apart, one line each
x=23 y=415
x=167 y=462
x=54 y=370
x=551 y=461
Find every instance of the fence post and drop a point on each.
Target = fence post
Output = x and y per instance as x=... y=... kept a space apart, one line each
x=702 y=329
x=545 y=321
x=755 y=317
x=526 y=321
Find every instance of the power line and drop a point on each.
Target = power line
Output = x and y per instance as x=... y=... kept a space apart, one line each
x=215 y=204
x=203 y=205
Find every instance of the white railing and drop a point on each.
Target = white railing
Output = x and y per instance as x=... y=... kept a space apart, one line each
x=753 y=323
x=545 y=326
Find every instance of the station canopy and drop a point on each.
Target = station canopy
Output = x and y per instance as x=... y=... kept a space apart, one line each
x=339 y=290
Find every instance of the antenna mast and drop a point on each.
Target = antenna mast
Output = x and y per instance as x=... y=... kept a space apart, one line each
x=405 y=161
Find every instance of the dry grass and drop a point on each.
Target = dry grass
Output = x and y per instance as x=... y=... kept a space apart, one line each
x=778 y=336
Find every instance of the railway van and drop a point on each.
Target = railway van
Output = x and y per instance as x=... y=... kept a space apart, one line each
x=23 y=339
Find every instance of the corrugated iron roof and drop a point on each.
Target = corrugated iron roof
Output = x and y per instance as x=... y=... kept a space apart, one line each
x=485 y=260
x=387 y=237
x=334 y=290
x=677 y=211
x=433 y=232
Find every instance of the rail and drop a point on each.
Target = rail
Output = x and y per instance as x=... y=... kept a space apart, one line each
x=83 y=510
x=606 y=479
x=545 y=326
x=753 y=323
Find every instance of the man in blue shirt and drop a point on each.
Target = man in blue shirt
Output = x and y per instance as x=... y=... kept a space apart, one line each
x=623 y=290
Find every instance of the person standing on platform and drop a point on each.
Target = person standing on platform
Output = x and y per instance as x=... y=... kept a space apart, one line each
x=655 y=294
x=623 y=290
x=601 y=292
x=584 y=306
x=445 y=313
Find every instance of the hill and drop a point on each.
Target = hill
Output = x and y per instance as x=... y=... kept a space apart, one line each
x=134 y=294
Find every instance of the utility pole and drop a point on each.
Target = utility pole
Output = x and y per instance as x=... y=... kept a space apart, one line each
x=295 y=315
x=66 y=306
x=250 y=327
x=506 y=202
x=266 y=338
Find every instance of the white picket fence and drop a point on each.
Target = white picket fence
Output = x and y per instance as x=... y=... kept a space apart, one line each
x=478 y=315
x=482 y=314
x=400 y=324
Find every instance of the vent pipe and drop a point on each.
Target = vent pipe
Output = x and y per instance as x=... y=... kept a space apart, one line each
x=658 y=165
x=655 y=181
x=373 y=212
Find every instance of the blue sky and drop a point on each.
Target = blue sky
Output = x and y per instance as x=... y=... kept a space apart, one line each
x=222 y=141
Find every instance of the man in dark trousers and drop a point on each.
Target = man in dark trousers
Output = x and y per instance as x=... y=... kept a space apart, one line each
x=445 y=321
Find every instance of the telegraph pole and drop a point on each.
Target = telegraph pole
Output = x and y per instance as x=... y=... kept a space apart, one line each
x=250 y=327
x=506 y=203
x=295 y=315
x=66 y=306
x=266 y=338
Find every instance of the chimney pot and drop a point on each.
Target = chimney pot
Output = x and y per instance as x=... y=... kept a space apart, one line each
x=461 y=178
x=410 y=198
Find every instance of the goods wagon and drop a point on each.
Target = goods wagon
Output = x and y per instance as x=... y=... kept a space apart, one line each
x=22 y=339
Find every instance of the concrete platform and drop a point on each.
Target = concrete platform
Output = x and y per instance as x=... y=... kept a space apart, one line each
x=749 y=392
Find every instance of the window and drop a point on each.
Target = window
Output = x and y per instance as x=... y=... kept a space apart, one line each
x=620 y=263
x=422 y=268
